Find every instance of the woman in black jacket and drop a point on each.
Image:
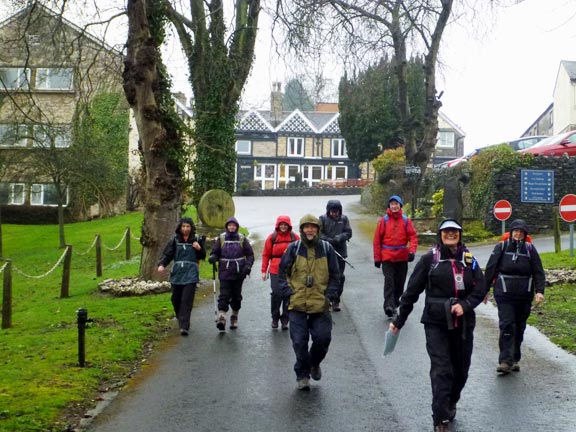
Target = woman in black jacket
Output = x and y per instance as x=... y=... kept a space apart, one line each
x=186 y=249
x=454 y=286
x=515 y=270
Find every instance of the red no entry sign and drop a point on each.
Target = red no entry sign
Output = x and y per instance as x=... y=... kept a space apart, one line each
x=568 y=208
x=502 y=210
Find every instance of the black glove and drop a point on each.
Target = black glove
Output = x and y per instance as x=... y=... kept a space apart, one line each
x=247 y=271
x=213 y=259
x=410 y=257
x=377 y=264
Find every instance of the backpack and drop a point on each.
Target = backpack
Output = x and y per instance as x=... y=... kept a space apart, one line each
x=386 y=218
x=275 y=235
x=241 y=241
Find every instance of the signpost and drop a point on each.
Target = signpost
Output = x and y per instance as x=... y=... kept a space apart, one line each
x=568 y=213
x=502 y=211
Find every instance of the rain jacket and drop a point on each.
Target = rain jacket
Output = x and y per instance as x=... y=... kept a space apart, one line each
x=436 y=273
x=185 y=269
x=394 y=238
x=274 y=248
x=336 y=231
x=234 y=253
x=315 y=261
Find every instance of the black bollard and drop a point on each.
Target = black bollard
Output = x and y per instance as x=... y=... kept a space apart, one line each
x=82 y=318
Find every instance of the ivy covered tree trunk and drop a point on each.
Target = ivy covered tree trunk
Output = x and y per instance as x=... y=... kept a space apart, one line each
x=218 y=72
x=148 y=93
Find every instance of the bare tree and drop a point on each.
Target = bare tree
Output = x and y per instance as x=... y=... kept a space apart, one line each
x=367 y=30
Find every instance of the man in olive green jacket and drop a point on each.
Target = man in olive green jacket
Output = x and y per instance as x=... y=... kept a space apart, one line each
x=311 y=284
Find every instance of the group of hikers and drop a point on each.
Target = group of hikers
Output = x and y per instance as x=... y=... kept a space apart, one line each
x=306 y=273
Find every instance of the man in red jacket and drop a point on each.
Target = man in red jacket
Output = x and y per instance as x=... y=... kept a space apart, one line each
x=395 y=243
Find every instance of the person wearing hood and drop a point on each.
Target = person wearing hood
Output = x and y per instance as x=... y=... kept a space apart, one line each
x=335 y=229
x=235 y=257
x=274 y=247
x=454 y=285
x=395 y=244
x=186 y=249
x=515 y=270
x=310 y=280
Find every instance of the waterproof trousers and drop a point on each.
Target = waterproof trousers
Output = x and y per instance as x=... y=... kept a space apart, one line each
x=512 y=322
x=230 y=295
x=303 y=327
x=278 y=304
x=394 y=279
x=342 y=266
x=450 y=352
x=182 y=302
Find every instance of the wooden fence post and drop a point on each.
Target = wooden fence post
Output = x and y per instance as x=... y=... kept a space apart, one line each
x=98 y=256
x=128 y=251
x=556 y=225
x=7 y=296
x=65 y=287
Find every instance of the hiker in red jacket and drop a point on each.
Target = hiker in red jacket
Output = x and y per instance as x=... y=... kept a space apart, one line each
x=395 y=243
x=274 y=247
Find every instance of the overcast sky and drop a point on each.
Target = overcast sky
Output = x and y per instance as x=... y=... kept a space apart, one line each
x=496 y=80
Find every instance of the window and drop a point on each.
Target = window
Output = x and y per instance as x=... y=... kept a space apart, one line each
x=337 y=172
x=45 y=194
x=243 y=147
x=13 y=135
x=12 y=193
x=54 y=79
x=295 y=146
x=339 y=148
x=445 y=139
x=52 y=136
x=13 y=78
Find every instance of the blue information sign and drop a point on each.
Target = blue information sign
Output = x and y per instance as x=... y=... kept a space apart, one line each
x=537 y=186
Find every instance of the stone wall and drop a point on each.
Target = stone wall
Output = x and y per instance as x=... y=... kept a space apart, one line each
x=540 y=217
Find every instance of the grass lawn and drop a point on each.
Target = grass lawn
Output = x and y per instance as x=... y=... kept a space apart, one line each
x=41 y=386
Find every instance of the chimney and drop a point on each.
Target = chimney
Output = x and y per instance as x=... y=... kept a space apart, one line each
x=276 y=99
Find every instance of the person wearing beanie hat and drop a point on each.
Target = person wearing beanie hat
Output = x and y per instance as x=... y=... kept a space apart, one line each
x=186 y=249
x=274 y=247
x=515 y=271
x=335 y=229
x=310 y=279
x=235 y=257
x=454 y=285
x=395 y=244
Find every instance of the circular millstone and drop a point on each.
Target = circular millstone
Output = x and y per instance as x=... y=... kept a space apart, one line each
x=215 y=208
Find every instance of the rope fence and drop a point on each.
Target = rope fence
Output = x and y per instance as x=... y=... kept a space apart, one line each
x=66 y=259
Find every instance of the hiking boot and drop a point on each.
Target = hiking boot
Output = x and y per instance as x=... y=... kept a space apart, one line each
x=316 y=373
x=234 y=320
x=443 y=426
x=516 y=367
x=183 y=332
x=221 y=321
x=452 y=411
x=336 y=307
x=503 y=368
x=274 y=323
x=285 y=320
x=304 y=384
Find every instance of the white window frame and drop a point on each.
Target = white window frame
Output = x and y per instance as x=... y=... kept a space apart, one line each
x=332 y=172
x=54 y=79
x=14 y=193
x=338 y=148
x=240 y=145
x=37 y=197
x=295 y=147
x=21 y=133
x=265 y=173
x=446 y=139
x=309 y=174
x=61 y=136
x=20 y=82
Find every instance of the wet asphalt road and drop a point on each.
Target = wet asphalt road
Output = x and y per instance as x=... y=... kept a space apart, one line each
x=242 y=380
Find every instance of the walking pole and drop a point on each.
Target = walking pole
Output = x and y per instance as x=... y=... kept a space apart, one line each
x=214 y=290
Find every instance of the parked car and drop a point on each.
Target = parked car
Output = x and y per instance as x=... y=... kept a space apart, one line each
x=557 y=145
x=457 y=161
x=526 y=142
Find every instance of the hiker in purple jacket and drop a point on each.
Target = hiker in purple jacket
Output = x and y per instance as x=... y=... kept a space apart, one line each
x=235 y=258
